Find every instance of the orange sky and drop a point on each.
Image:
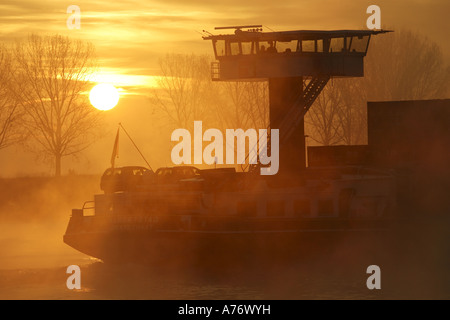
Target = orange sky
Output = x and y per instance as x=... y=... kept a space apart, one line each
x=131 y=35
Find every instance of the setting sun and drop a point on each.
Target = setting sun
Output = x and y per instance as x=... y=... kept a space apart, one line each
x=104 y=96
x=259 y=152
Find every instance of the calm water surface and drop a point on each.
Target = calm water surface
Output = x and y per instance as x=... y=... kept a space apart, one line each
x=33 y=262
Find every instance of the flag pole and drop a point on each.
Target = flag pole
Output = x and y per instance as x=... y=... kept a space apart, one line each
x=121 y=126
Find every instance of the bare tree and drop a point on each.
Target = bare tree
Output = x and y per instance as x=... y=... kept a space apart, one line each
x=186 y=93
x=231 y=112
x=399 y=66
x=352 y=113
x=10 y=111
x=184 y=88
x=54 y=73
x=257 y=94
x=404 y=65
x=244 y=104
x=322 y=118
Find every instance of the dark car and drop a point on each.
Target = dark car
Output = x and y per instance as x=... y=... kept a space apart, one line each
x=176 y=174
x=124 y=178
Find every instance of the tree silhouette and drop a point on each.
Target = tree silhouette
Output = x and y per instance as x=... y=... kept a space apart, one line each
x=183 y=88
x=402 y=65
x=243 y=105
x=53 y=75
x=186 y=93
x=405 y=65
x=322 y=119
x=10 y=111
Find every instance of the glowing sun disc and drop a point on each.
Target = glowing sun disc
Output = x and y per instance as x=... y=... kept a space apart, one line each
x=104 y=96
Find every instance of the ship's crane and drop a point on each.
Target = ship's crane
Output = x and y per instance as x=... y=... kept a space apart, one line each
x=298 y=65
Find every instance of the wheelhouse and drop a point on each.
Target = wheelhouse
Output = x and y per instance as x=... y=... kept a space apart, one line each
x=260 y=55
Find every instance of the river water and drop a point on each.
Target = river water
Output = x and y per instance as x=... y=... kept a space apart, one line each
x=33 y=262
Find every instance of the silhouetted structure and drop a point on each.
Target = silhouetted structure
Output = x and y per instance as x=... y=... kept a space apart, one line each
x=410 y=138
x=332 y=156
x=413 y=137
x=220 y=217
x=286 y=59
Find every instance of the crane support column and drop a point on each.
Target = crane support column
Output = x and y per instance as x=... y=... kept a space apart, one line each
x=283 y=94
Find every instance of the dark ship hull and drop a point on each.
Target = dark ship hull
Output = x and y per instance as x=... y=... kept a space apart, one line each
x=139 y=242
x=199 y=221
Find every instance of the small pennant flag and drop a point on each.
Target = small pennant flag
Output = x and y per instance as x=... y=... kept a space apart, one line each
x=115 y=153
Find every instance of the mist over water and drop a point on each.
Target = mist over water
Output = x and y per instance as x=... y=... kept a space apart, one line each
x=39 y=272
x=33 y=260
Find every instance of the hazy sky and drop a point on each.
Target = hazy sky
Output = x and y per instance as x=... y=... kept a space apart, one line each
x=131 y=35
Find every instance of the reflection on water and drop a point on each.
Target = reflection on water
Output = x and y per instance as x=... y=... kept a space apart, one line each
x=100 y=281
x=33 y=263
x=36 y=245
